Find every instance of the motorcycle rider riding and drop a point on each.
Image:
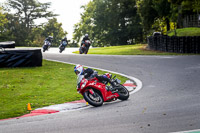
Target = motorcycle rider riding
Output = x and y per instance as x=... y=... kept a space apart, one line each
x=90 y=73
x=86 y=37
x=64 y=39
x=49 y=41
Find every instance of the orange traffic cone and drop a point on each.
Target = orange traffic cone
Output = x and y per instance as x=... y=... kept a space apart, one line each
x=29 y=106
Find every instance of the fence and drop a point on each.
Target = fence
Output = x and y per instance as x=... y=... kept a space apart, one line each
x=191 y=21
x=186 y=44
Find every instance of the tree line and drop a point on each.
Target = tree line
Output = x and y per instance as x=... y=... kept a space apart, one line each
x=108 y=22
x=17 y=23
x=121 y=22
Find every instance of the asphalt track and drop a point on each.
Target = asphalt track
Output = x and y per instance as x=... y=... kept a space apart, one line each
x=168 y=102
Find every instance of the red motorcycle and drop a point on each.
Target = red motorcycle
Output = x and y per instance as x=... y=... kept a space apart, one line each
x=96 y=92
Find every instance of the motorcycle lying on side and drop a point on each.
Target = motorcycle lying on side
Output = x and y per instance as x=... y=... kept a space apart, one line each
x=85 y=47
x=62 y=46
x=46 y=46
x=96 y=93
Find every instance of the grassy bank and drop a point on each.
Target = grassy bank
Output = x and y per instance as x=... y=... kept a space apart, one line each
x=192 y=31
x=138 y=49
x=53 y=83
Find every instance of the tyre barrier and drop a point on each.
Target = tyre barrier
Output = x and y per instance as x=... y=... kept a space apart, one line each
x=184 y=44
x=20 y=58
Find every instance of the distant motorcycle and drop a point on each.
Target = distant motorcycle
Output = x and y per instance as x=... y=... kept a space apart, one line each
x=95 y=92
x=85 y=47
x=62 y=46
x=46 y=46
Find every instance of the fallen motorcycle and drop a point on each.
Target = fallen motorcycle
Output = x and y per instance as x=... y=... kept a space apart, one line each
x=96 y=93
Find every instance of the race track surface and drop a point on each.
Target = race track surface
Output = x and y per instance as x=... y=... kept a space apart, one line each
x=168 y=102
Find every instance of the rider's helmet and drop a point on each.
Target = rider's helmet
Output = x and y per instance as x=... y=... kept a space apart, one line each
x=78 y=69
x=86 y=35
x=65 y=38
x=50 y=37
x=108 y=75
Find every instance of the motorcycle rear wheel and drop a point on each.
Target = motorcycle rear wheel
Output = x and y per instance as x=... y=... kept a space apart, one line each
x=94 y=101
x=123 y=93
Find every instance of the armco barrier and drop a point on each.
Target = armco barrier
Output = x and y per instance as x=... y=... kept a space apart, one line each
x=186 y=44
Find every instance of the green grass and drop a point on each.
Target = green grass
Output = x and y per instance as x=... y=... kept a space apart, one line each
x=53 y=83
x=138 y=49
x=194 y=31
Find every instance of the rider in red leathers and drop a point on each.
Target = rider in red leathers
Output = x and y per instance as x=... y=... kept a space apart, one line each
x=90 y=73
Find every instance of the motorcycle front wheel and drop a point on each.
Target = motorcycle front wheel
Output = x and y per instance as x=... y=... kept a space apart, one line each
x=95 y=99
x=123 y=92
x=45 y=48
x=60 y=50
x=80 y=51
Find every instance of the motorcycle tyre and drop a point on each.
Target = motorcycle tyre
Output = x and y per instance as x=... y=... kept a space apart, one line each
x=121 y=95
x=44 y=48
x=80 y=51
x=60 y=50
x=90 y=101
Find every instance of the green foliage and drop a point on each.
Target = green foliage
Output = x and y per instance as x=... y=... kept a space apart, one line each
x=120 y=22
x=109 y=22
x=37 y=38
x=73 y=44
x=147 y=14
x=21 y=22
x=3 y=22
x=53 y=28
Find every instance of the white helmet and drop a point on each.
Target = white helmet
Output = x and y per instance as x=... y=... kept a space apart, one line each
x=86 y=35
x=78 y=69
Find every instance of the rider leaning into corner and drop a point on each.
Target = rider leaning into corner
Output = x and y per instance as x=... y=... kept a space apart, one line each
x=64 y=40
x=86 y=37
x=90 y=73
x=49 y=39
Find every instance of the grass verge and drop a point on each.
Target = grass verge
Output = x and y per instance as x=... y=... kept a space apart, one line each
x=192 y=31
x=138 y=49
x=53 y=83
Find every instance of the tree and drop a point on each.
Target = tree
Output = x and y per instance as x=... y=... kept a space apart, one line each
x=163 y=8
x=53 y=28
x=22 y=21
x=85 y=25
x=3 y=22
x=110 y=22
x=147 y=13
